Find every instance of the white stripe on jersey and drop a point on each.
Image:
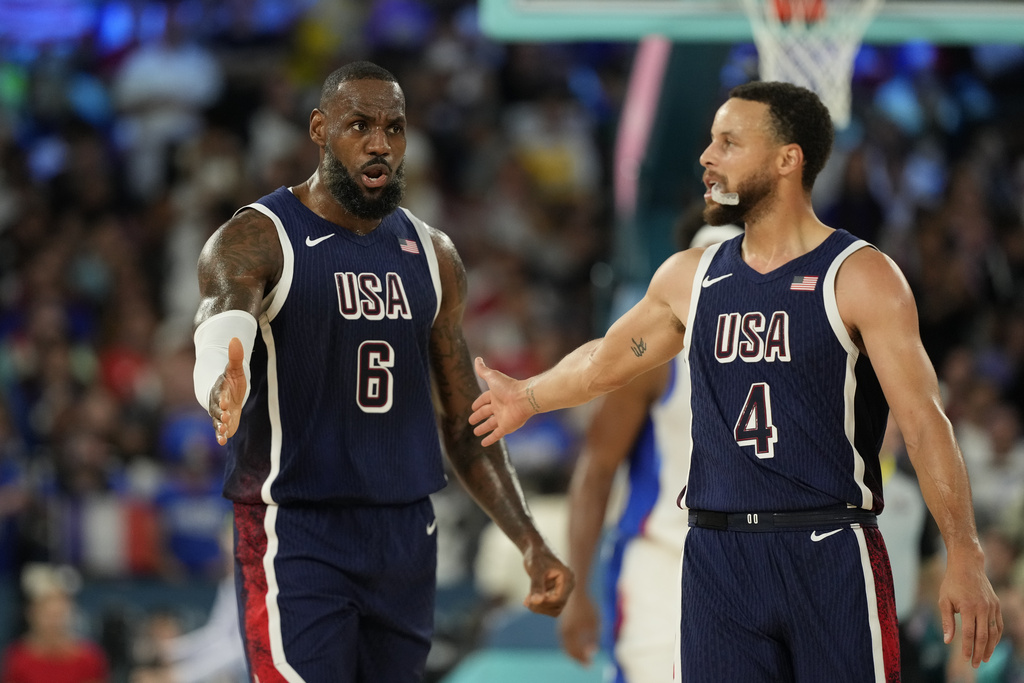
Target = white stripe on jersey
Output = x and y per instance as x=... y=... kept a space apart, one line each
x=852 y=354
x=877 y=653
x=272 y=304
x=702 y=269
x=273 y=611
x=423 y=230
x=275 y=299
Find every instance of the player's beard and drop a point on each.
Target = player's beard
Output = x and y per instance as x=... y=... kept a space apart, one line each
x=353 y=197
x=755 y=194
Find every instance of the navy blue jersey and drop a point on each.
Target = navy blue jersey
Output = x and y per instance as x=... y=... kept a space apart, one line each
x=787 y=414
x=340 y=409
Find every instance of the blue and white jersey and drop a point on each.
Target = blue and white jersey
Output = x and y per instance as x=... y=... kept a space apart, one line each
x=340 y=408
x=640 y=609
x=786 y=412
x=657 y=467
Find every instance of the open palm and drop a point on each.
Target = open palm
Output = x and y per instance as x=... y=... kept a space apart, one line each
x=228 y=394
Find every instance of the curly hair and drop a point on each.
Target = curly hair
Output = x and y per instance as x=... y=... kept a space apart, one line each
x=798 y=116
x=355 y=71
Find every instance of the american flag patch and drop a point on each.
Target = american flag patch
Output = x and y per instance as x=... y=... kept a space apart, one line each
x=408 y=246
x=804 y=283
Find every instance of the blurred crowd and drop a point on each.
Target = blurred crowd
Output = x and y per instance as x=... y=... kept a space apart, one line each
x=123 y=147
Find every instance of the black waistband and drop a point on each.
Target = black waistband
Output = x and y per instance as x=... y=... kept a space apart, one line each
x=777 y=521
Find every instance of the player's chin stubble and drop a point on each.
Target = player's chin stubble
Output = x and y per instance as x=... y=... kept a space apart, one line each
x=753 y=194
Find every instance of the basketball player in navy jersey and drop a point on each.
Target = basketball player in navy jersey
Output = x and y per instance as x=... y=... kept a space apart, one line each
x=798 y=340
x=329 y=317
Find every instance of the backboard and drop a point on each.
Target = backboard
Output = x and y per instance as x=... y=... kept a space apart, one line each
x=939 y=21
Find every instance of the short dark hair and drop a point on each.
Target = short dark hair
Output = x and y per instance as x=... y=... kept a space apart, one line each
x=354 y=71
x=798 y=116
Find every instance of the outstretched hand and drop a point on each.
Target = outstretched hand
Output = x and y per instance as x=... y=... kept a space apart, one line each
x=500 y=410
x=227 y=395
x=551 y=583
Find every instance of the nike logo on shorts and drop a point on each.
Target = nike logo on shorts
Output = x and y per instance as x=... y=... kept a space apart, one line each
x=313 y=242
x=432 y=527
x=815 y=536
x=708 y=281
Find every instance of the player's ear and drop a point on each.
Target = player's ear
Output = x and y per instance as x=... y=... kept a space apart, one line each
x=790 y=159
x=318 y=127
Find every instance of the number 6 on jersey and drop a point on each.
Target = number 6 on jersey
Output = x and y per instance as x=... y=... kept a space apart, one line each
x=374 y=388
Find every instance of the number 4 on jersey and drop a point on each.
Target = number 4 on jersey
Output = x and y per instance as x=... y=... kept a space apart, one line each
x=755 y=428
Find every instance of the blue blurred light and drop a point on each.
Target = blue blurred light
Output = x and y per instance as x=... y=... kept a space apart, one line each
x=116 y=27
x=996 y=60
x=45 y=21
x=152 y=23
x=897 y=100
x=977 y=101
x=88 y=97
x=586 y=86
x=869 y=63
x=916 y=56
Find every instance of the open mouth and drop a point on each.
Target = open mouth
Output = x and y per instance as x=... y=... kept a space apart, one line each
x=709 y=186
x=376 y=175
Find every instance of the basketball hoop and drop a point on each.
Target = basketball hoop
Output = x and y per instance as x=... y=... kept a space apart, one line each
x=812 y=43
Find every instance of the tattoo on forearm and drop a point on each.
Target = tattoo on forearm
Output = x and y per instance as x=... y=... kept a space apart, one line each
x=454 y=375
x=639 y=347
x=532 y=398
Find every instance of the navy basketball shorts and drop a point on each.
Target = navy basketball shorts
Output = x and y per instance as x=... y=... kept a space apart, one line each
x=336 y=594
x=801 y=606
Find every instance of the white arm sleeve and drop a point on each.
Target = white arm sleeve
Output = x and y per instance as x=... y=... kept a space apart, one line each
x=211 y=339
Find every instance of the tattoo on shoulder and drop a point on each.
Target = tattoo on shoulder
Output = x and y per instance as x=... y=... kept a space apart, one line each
x=249 y=246
x=639 y=347
x=532 y=398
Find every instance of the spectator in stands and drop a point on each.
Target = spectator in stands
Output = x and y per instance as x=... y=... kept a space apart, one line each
x=997 y=468
x=15 y=498
x=213 y=652
x=161 y=90
x=51 y=651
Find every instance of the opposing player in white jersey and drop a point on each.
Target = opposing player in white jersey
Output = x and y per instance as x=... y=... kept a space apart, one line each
x=643 y=426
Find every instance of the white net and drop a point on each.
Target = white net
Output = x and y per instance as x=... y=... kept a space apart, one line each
x=812 y=43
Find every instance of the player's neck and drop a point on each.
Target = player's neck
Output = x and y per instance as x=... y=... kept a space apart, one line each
x=787 y=231
x=318 y=199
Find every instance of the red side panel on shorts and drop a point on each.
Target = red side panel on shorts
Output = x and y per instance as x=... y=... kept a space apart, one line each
x=250 y=551
x=620 y=608
x=886 y=597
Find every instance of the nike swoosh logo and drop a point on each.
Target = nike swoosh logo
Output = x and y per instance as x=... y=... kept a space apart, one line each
x=432 y=527
x=710 y=281
x=318 y=240
x=815 y=536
